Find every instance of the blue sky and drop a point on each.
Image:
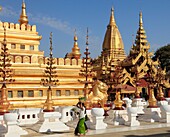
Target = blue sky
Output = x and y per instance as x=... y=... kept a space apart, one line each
x=62 y=17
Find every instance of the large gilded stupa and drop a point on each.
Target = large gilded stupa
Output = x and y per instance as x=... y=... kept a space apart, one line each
x=112 y=48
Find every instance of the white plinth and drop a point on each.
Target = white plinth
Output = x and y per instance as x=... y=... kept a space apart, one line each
x=28 y=116
x=164 y=102
x=128 y=102
x=90 y=118
x=137 y=102
x=152 y=115
x=165 y=113
x=97 y=119
x=132 y=113
x=66 y=114
x=3 y=128
x=168 y=99
x=118 y=117
x=13 y=130
x=49 y=122
x=98 y=123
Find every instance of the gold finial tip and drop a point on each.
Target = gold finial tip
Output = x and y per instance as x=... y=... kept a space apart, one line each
x=23 y=4
x=140 y=13
x=140 y=18
x=75 y=36
x=112 y=20
x=112 y=9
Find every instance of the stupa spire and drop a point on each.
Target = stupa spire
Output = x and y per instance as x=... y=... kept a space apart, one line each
x=23 y=17
x=113 y=47
x=140 y=20
x=76 y=50
x=141 y=41
x=112 y=18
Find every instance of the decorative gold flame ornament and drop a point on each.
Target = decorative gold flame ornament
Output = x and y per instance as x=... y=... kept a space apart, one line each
x=87 y=72
x=4 y=103
x=160 y=94
x=137 y=93
x=152 y=100
x=160 y=77
x=118 y=102
x=48 y=106
x=50 y=81
x=6 y=74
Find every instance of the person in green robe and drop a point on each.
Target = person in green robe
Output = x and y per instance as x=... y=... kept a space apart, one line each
x=81 y=126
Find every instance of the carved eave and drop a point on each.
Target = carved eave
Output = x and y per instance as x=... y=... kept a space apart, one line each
x=166 y=83
x=19 y=33
x=156 y=63
x=126 y=62
x=36 y=38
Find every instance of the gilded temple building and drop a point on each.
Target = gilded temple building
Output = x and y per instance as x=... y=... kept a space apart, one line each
x=28 y=63
x=143 y=73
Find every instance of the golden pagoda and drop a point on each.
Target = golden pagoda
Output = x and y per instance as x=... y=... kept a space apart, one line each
x=29 y=63
x=75 y=54
x=139 y=63
x=112 y=48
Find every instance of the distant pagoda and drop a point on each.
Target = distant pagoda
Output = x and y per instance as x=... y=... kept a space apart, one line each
x=75 y=54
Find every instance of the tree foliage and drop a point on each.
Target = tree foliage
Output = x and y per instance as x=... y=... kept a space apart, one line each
x=163 y=54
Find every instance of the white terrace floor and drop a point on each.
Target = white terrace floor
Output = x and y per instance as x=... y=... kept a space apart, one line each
x=162 y=130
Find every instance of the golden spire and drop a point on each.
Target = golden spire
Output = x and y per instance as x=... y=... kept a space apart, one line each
x=23 y=17
x=140 y=20
x=76 y=50
x=113 y=47
x=112 y=19
x=141 y=41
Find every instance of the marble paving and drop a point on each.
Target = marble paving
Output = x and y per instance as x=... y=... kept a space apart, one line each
x=110 y=129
